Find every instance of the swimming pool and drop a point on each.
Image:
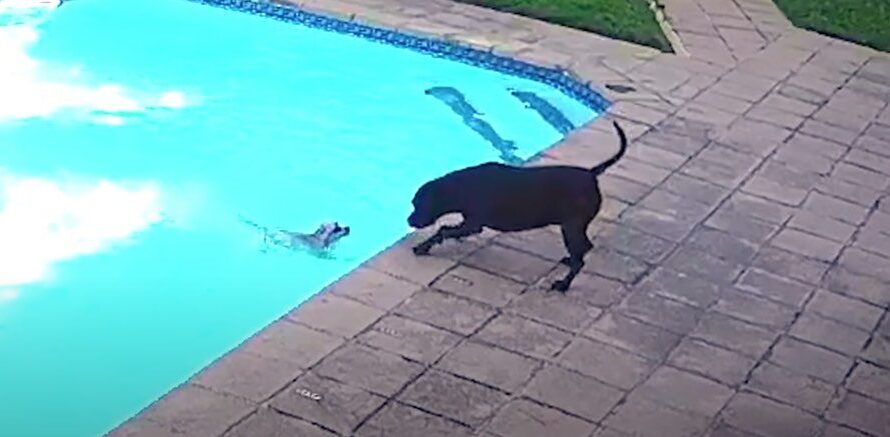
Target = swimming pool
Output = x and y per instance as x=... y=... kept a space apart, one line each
x=135 y=139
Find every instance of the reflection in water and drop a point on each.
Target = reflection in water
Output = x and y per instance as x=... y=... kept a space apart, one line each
x=25 y=11
x=43 y=222
x=27 y=93
x=7 y=294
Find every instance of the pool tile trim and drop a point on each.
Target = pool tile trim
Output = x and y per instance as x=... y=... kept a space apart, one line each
x=560 y=79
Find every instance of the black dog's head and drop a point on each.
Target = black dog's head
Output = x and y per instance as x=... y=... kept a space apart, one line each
x=429 y=205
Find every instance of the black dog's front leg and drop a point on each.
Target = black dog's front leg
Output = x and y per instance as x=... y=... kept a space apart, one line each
x=462 y=230
x=574 y=236
x=575 y=266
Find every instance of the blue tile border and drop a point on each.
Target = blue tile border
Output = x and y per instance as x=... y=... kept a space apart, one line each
x=559 y=79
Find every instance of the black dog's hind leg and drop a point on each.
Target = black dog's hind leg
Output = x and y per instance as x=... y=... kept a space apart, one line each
x=465 y=229
x=574 y=235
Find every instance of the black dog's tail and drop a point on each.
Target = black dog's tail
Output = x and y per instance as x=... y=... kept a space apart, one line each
x=598 y=170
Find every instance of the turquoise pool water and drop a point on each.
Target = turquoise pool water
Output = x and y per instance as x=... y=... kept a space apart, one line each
x=133 y=137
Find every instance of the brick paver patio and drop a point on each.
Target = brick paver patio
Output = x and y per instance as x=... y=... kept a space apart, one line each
x=739 y=285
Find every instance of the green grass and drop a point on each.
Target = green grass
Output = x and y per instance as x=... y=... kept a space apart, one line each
x=865 y=22
x=629 y=20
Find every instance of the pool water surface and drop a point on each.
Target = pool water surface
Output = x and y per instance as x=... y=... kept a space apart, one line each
x=136 y=139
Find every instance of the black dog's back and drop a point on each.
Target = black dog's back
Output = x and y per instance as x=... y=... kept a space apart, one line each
x=508 y=198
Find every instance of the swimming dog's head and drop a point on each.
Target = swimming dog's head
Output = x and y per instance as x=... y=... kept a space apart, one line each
x=331 y=232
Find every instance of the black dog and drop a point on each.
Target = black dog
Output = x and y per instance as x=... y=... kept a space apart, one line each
x=510 y=199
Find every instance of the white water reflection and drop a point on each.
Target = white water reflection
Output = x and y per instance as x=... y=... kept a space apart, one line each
x=27 y=92
x=43 y=222
x=8 y=294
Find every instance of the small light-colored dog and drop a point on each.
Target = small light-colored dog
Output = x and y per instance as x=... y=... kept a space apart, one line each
x=318 y=243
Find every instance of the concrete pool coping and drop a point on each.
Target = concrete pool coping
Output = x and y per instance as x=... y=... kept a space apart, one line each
x=405 y=343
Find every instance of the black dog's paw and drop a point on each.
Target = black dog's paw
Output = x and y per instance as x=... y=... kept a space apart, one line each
x=421 y=250
x=566 y=261
x=560 y=286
